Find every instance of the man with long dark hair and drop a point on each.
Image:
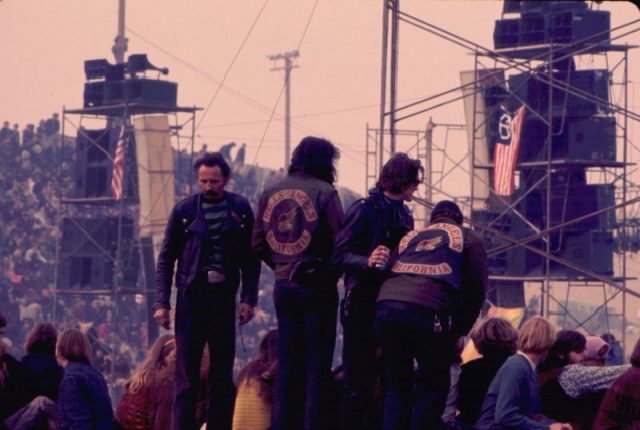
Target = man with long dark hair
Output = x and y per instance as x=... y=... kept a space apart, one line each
x=298 y=219
x=372 y=228
x=209 y=235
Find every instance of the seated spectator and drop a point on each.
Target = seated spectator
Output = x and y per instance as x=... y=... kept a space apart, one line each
x=134 y=409
x=590 y=375
x=255 y=387
x=513 y=400
x=495 y=339
x=162 y=389
x=84 y=400
x=41 y=360
x=615 y=355
x=20 y=408
x=620 y=408
x=569 y=348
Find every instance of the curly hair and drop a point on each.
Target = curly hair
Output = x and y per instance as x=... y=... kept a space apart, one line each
x=399 y=173
x=566 y=342
x=315 y=157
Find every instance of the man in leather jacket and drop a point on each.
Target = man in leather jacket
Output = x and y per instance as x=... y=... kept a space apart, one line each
x=209 y=235
x=372 y=226
x=433 y=295
x=298 y=219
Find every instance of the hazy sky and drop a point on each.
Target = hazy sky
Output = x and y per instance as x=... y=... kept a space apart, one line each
x=335 y=90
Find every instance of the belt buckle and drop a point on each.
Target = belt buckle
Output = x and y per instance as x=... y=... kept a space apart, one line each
x=215 y=277
x=437 y=326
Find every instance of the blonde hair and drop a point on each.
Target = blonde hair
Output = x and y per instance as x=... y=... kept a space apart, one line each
x=156 y=359
x=74 y=346
x=536 y=335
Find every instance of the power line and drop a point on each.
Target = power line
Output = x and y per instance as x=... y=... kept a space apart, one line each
x=235 y=57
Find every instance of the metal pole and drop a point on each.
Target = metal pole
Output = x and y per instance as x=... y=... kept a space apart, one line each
x=383 y=80
x=287 y=112
x=624 y=199
x=393 y=76
x=120 y=43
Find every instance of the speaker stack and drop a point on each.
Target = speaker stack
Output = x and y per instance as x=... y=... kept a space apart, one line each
x=582 y=135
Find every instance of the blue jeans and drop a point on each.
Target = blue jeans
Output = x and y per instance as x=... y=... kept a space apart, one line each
x=406 y=332
x=306 y=339
x=360 y=408
x=205 y=315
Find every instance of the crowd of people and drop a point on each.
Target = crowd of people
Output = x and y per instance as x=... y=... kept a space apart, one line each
x=411 y=302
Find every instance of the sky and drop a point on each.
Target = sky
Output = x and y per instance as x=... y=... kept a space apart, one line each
x=335 y=89
x=335 y=86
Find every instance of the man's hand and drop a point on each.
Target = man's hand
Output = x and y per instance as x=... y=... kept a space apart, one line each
x=161 y=317
x=379 y=257
x=245 y=313
x=560 y=426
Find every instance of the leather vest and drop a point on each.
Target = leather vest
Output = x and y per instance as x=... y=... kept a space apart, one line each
x=434 y=252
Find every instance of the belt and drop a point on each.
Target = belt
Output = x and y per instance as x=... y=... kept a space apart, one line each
x=213 y=277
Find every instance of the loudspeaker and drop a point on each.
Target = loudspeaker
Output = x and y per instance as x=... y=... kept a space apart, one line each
x=576 y=26
x=573 y=139
x=511 y=6
x=590 y=249
x=570 y=201
x=534 y=90
x=88 y=251
x=143 y=91
x=93 y=166
x=532 y=28
x=543 y=6
x=93 y=94
x=506 y=33
x=574 y=201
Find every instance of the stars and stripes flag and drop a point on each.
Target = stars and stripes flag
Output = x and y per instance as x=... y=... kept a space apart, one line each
x=505 y=152
x=118 y=164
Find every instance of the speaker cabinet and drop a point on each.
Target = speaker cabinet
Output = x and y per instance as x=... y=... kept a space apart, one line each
x=590 y=249
x=93 y=94
x=590 y=26
x=93 y=165
x=143 y=91
x=506 y=33
x=89 y=249
x=574 y=139
x=532 y=29
x=534 y=90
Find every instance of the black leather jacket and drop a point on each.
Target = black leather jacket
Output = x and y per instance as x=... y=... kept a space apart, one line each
x=368 y=223
x=298 y=220
x=183 y=240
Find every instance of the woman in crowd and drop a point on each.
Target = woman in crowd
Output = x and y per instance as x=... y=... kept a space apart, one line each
x=40 y=346
x=495 y=339
x=620 y=408
x=512 y=400
x=255 y=387
x=134 y=411
x=574 y=379
x=84 y=400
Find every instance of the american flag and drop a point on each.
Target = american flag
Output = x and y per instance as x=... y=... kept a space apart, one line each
x=505 y=152
x=118 y=163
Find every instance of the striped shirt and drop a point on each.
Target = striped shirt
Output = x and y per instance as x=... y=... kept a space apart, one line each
x=214 y=215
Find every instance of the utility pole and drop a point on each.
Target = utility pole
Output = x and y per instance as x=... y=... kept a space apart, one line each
x=288 y=65
x=120 y=43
